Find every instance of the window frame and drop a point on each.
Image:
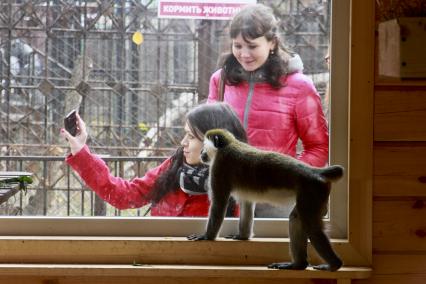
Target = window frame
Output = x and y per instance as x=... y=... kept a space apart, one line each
x=264 y=227
x=355 y=249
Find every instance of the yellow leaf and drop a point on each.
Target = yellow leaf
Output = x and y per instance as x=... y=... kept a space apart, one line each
x=137 y=38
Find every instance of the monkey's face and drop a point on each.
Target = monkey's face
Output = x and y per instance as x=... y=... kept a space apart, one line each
x=209 y=151
x=214 y=140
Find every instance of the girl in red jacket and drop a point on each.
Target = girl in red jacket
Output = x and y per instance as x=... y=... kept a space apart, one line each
x=177 y=187
x=264 y=84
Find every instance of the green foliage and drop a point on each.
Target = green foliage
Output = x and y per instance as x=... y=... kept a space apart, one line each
x=23 y=181
x=143 y=127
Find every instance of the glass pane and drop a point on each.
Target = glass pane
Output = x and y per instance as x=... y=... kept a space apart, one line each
x=133 y=97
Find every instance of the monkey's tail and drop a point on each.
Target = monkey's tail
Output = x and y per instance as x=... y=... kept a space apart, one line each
x=332 y=173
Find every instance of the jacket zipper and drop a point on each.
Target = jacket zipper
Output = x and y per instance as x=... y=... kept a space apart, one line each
x=249 y=99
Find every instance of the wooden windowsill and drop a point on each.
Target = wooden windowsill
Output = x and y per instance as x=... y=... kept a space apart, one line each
x=126 y=250
x=182 y=271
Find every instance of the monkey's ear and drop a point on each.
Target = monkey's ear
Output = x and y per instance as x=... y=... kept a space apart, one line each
x=218 y=141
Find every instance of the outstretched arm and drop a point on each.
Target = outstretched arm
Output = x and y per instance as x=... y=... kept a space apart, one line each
x=120 y=193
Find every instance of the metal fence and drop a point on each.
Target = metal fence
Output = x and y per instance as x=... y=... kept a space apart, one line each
x=57 y=54
x=57 y=191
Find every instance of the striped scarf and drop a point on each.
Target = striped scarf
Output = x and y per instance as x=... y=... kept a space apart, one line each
x=193 y=179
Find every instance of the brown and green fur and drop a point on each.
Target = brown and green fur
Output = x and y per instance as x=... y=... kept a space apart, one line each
x=252 y=175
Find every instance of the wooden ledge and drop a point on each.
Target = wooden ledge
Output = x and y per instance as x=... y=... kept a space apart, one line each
x=181 y=271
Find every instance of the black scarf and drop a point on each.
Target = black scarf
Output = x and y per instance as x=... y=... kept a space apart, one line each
x=193 y=179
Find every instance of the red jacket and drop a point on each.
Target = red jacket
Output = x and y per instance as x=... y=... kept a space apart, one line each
x=124 y=194
x=276 y=118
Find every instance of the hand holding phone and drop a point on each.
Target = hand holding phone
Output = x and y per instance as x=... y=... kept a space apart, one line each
x=76 y=134
x=70 y=122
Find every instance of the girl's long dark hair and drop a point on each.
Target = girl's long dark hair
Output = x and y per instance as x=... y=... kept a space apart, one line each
x=251 y=22
x=200 y=119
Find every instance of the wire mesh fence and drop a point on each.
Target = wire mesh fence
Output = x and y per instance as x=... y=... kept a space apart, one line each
x=57 y=55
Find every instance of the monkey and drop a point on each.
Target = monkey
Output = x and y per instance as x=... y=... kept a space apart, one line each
x=252 y=175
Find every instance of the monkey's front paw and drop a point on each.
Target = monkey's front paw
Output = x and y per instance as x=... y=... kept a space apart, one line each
x=195 y=237
x=287 y=265
x=236 y=237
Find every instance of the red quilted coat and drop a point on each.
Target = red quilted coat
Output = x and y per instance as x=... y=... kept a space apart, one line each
x=275 y=118
x=124 y=194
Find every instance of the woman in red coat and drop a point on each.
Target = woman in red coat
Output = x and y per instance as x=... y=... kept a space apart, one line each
x=177 y=187
x=277 y=104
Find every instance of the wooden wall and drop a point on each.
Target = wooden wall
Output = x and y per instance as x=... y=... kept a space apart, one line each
x=399 y=187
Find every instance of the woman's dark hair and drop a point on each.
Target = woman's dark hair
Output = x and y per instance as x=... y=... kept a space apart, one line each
x=200 y=119
x=251 y=22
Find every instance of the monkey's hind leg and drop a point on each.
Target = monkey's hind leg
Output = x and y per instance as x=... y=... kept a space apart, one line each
x=322 y=245
x=311 y=204
x=298 y=245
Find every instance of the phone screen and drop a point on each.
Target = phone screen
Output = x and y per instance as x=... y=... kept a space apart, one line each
x=70 y=123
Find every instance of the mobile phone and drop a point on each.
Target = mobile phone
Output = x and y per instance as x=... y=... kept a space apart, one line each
x=70 y=122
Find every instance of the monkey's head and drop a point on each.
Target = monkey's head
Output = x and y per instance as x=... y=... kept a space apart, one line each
x=214 y=140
